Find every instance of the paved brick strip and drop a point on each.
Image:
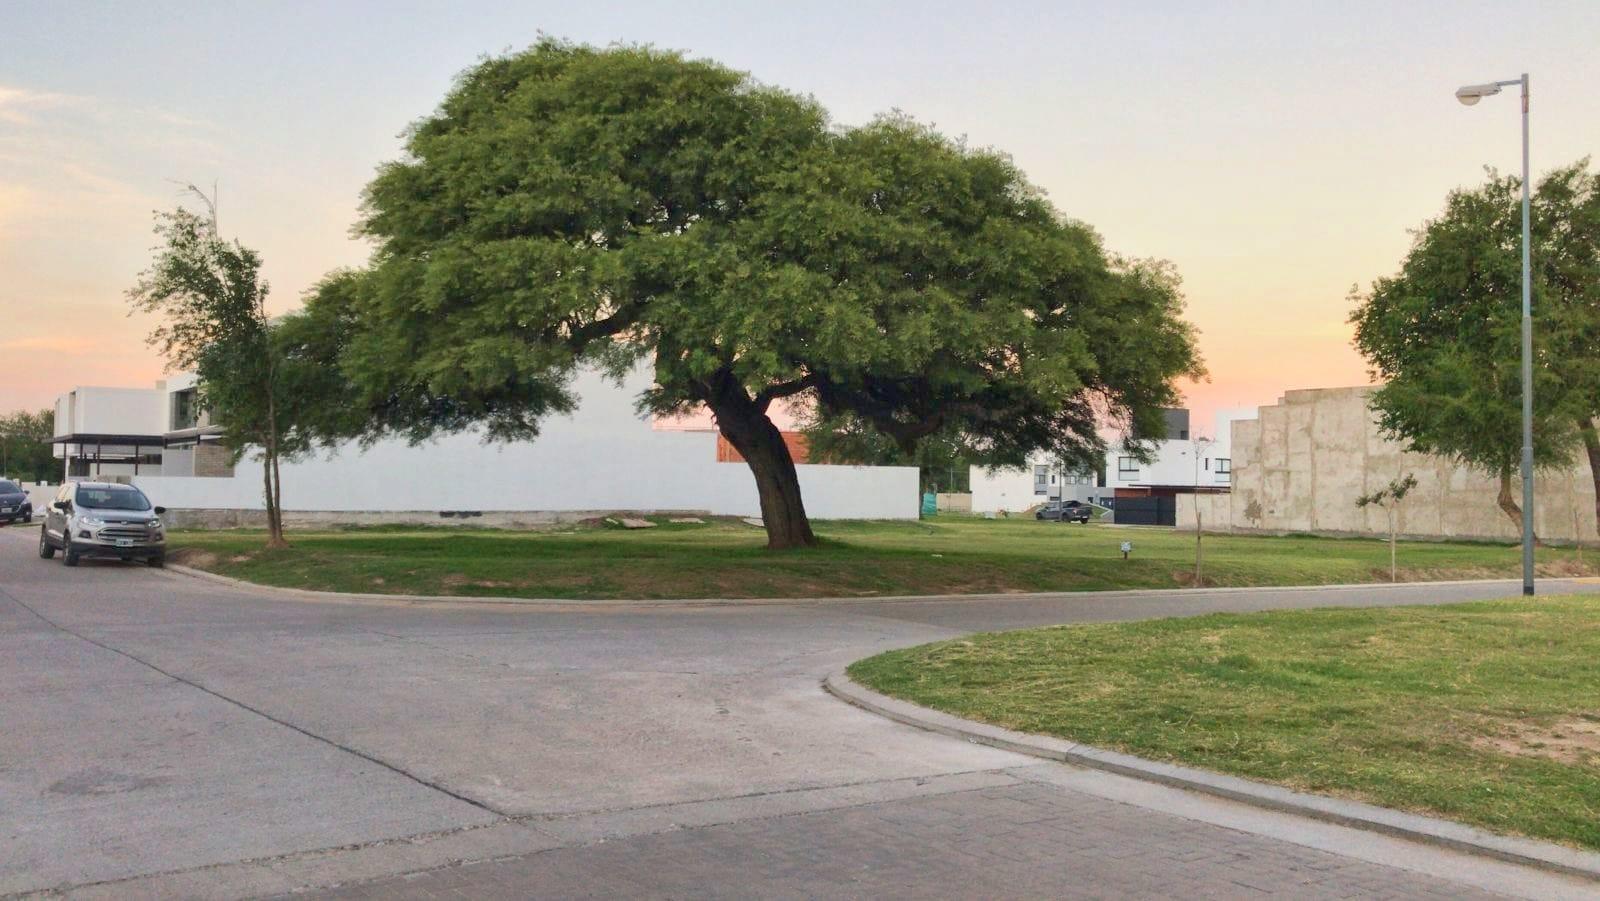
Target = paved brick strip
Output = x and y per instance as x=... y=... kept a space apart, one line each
x=1027 y=840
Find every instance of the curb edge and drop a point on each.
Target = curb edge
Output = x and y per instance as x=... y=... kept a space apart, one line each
x=1427 y=830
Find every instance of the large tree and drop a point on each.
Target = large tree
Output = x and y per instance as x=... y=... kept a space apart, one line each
x=572 y=206
x=25 y=449
x=1444 y=332
x=213 y=297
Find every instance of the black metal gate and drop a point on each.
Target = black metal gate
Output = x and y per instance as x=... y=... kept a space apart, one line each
x=1147 y=511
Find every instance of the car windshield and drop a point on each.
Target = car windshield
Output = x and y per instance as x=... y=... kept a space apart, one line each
x=9 y=487
x=113 y=498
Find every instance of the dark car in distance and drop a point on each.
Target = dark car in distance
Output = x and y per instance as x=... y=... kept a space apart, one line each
x=1064 y=511
x=14 y=503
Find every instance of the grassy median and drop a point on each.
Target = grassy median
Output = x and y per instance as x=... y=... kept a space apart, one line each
x=1486 y=713
x=726 y=559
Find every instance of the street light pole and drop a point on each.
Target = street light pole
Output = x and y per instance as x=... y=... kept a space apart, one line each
x=1470 y=95
x=1527 y=359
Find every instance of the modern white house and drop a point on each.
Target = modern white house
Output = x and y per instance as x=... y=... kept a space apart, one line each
x=1184 y=463
x=1017 y=490
x=602 y=457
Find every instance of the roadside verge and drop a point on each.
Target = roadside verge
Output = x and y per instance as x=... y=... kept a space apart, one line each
x=1428 y=830
x=310 y=594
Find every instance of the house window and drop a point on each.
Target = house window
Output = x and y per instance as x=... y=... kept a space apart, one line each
x=1224 y=466
x=1127 y=467
x=185 y=410
x=1041 y=480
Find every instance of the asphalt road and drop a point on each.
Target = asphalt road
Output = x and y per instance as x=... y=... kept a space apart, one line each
x=163 y=736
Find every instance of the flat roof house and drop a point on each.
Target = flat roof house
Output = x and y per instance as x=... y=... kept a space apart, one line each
x=1181 y=465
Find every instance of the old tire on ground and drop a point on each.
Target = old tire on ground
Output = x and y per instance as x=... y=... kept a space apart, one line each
x=46 y=549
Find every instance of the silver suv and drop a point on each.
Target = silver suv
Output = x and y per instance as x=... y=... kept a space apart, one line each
x=103 y=519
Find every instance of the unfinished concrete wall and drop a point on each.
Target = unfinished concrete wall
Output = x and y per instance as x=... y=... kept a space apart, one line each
x=1301 y=465
x=1216 y=512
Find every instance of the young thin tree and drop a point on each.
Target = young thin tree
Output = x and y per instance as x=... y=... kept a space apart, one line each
x=1199 y=446
x=213 y=298
x=570 y=206
x=1389 y=498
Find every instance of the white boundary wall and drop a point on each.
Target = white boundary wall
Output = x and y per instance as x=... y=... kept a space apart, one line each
x=604 y=456
x=1010 y=490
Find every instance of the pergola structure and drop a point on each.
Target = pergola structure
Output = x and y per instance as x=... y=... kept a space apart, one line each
x=97 y=449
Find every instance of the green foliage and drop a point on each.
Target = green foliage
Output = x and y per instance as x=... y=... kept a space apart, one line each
x=1391 y=494
x=1445 y=331
x=212 y=296
x=25 y=449
x=572 y=206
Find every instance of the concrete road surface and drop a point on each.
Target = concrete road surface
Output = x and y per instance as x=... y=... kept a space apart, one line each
x=162 y=736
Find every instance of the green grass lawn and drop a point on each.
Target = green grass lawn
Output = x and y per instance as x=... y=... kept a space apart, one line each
x=727 y=559
x=1486 y=713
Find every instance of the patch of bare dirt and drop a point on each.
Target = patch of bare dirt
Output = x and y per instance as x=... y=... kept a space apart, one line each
x=193 y=556
x=1551 y=569
x=1565 y=568
x=1575 y=740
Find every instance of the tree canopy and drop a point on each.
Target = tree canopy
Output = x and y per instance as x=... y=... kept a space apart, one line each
x=571 y=206
x=25 y=449
x=1444 y=332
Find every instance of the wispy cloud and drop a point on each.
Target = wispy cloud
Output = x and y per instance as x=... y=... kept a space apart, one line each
x=81 y=159
x=53 y=344
x=20 y=106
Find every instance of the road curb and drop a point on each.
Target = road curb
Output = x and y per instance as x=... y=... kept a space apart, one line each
x=1428 y=830
x=1512 y=585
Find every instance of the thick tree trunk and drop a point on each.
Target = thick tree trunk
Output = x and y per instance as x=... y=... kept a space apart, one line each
x=748 y=428
x=1591 y=443
x=1508 y=504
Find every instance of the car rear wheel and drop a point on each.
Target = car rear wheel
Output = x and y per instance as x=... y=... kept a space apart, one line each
x=46 y=549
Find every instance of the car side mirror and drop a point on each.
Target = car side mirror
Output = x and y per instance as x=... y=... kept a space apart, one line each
x=160 y=510
x=63 y=506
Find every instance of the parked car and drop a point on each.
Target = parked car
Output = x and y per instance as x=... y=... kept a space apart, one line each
x=103 y=519
x=14 y=503
x=1064 y=511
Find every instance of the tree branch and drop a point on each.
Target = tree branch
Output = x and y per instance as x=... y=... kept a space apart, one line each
x=580 y=335
x=767 y=395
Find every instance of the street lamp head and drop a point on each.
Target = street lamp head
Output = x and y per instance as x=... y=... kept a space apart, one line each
x=1472 y=93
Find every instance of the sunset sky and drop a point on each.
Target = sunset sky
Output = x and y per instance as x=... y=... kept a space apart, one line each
x=1277 y=152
